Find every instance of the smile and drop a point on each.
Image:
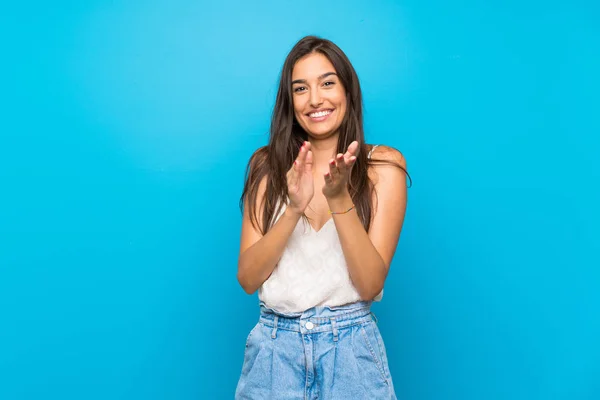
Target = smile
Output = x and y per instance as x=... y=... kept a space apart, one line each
x=320 y=115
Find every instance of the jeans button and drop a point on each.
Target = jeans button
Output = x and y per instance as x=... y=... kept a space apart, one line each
x=309 y=325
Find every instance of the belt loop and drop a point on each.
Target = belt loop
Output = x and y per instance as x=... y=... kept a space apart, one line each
x=274 y=332
x=334 y=328
x=374 y=317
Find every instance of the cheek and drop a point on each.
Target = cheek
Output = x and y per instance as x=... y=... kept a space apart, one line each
x=298 y=107
x=340 y=97
x=298 y=116
x=342 y=105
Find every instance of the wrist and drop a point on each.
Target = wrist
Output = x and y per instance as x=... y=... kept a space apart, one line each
x=293 y=213
x=340 y=203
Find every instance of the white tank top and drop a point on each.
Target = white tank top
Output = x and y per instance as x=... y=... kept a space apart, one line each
x=311 y=272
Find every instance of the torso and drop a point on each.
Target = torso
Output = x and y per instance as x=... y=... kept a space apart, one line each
x=318 y=209
x=312 y=270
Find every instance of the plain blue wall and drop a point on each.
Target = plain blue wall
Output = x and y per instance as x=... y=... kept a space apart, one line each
x=125 y=131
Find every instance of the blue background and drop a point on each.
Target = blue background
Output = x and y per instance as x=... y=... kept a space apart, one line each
x=125 y=130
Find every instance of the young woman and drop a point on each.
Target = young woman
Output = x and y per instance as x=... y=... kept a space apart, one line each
x=322 y=214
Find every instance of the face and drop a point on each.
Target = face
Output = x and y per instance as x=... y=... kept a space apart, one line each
x=318 y=96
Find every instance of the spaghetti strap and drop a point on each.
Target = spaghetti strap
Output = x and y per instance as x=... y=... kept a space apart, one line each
x=371 y=152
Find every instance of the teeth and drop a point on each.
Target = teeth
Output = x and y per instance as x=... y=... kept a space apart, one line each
x=320 y=114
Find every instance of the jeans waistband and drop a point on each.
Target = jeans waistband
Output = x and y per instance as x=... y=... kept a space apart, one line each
x=317 y=319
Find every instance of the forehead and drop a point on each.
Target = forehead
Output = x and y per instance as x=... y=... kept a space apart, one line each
x=311 y=66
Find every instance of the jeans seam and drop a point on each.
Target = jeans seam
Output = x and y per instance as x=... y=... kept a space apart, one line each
x=365 y=336
x=382 y=352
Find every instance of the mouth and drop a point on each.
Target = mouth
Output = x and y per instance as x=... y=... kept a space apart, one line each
x=320 y=115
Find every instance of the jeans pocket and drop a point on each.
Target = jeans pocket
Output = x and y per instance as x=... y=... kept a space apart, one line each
x=372 y=342
x=250 y=334
x=382 y=351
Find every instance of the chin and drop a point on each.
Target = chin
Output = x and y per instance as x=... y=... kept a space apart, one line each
x=320 y=131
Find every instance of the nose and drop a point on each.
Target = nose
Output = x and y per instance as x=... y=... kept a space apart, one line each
x=315 y=98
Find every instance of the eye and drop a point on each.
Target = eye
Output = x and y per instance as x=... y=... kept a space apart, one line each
x=328 y=83
x=298 y=89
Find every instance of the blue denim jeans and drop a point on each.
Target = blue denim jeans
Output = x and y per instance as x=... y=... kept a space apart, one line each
x=326 y=353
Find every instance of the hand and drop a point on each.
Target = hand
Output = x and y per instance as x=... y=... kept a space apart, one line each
x=300 y=180
x=336 y=180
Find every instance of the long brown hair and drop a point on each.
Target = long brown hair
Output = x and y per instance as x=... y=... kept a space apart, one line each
x=286 y=137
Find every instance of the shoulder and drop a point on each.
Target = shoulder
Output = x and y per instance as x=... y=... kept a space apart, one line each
x=258 y=164
x=388 y=164
x=385 y=153
x=257 y=172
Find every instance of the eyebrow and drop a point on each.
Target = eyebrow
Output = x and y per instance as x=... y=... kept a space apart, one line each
x=325 y=75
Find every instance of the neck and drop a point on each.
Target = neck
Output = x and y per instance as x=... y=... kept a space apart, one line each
x=323 y=150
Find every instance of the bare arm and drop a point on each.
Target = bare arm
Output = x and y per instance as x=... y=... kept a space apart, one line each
x=369 y=255
x=260 y=254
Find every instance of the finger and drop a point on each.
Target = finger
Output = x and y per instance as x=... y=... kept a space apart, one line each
x=296 y=167
x=300 y=159
x=351 y=162
x=341 y=163
x=305 y=146
x=352 y=150
x=328 y=179
x=304 y=153
x=308 y=162
x=296 y=162
x=333 y=170
x=291 y=175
